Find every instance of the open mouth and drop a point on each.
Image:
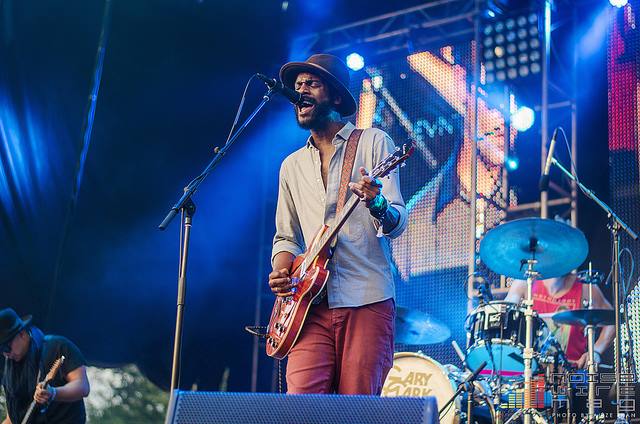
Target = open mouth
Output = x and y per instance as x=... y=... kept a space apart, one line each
x=306 y=106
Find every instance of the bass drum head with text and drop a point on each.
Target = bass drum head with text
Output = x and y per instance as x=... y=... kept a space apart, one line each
x=417 y=375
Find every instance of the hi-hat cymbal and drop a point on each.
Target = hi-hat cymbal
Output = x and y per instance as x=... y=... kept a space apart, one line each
x=415 y=327
x=584 y=317
x=557 y=247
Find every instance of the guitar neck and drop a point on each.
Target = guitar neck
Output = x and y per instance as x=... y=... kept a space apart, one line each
x=328 y=236
x=382 y=169
x=27 y=416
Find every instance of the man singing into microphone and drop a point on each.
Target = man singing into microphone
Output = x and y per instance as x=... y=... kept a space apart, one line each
x=346 y=343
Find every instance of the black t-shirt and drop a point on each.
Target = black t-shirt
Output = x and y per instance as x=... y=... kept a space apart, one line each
x=57 y=412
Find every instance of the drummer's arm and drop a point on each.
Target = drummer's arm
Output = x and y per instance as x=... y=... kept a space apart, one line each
x=517 y=291
x=608 y=333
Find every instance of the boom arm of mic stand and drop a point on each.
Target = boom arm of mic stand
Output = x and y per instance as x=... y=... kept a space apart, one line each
x=193 y=186
x=595 y=198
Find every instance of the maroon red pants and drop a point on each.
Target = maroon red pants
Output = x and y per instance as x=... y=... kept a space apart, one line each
x=343 y=350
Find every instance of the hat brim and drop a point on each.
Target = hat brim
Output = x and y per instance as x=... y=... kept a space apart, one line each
x=289 y=72
x=26 y=320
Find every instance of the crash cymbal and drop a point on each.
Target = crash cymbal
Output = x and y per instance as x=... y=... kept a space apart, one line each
x=415 y=327
x=558 y=247
x=584 y=317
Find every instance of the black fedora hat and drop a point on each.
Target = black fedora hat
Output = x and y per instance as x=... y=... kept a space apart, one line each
x=330 y=68
x=11 y=324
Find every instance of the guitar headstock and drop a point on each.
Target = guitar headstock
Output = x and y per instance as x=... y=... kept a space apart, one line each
x=54 y=369
x=392 y=161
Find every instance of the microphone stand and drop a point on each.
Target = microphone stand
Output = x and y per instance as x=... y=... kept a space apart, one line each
x=187 y=208
x=462 y=386
x=615 y=225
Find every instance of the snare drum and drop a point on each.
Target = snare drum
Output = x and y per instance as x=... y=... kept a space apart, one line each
x=497 y=335
x=417 y=375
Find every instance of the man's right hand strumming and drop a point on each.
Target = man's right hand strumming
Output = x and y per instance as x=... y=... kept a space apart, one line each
x=279 y=279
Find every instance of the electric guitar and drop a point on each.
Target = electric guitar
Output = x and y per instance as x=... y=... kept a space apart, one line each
x=47 y=379
x=310 y=270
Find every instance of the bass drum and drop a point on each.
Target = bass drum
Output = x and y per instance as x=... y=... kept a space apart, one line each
x=417 y=375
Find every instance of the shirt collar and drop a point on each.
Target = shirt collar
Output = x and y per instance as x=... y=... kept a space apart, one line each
x=341 y=136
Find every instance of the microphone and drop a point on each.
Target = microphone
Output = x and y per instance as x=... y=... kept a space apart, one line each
x=484 y=289
x=275 y=85
x=543 y=185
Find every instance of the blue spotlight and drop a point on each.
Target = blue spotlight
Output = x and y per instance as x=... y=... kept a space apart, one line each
x=512 y=163
x=355 y=62
x=523 y=118
x=619 y=3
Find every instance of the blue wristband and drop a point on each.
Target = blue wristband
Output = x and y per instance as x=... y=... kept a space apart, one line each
x=378 y=206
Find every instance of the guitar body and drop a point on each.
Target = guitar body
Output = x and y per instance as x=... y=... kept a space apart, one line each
x=289 y=313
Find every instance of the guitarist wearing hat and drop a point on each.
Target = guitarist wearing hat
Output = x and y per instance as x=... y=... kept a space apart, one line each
x=346 y=342
x=28 y=356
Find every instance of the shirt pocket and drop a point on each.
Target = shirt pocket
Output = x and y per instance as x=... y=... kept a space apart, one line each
x=353 y=229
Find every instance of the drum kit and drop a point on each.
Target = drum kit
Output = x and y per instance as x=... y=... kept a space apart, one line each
x=513 y=360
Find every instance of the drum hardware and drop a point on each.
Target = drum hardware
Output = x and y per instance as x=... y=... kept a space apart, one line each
x=415 y=374
x=467 y=385
x=489 y=399
x=615 y=226
x=532 y=248
x=531 y=275
x=589 y=319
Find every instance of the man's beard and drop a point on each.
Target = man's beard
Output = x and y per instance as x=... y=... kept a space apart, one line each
x=319 y=117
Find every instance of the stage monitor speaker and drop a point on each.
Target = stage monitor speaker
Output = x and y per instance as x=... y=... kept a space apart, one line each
x=269 y=408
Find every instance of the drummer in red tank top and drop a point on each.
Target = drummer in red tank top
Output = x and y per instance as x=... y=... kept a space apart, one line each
x=561 y=294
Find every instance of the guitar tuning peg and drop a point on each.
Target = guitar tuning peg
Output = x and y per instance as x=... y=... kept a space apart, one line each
x=403 y=164
x=397 y=149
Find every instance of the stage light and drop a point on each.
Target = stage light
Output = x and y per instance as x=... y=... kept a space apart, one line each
x=512 y=162
x=523 y=118
x=376 y=81
x=618 y=3
x=355 y=62
x=511 y=41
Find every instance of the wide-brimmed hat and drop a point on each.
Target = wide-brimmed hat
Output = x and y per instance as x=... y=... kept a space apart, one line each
x=11 y=324
x=330 y=68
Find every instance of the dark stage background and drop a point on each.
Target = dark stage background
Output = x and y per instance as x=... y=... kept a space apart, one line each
x=173 y=74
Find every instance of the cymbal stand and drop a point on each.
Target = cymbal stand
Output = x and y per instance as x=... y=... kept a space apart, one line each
x=592 y=367
x=528 y=411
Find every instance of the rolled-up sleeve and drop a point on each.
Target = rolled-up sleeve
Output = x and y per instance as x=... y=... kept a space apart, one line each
x=288 y=237
x=383 y=146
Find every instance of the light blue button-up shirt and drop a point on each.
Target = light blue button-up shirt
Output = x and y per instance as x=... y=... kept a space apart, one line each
x=360 y=271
